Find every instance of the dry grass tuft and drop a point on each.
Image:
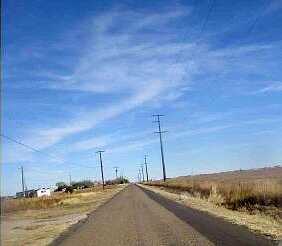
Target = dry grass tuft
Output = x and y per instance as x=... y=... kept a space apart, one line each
x=12 y=205
x=234 y=191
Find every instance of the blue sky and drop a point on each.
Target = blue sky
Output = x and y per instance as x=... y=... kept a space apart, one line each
x=83 y=75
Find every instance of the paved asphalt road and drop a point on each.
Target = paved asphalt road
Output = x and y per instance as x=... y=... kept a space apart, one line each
x=136 y=216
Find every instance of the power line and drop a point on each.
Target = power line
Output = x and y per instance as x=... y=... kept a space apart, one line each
x=211 y=6
x=202 y=28
x=22 y=144
x=256 y=19
x=207 y=18
x=246 y=36
x=42 y=152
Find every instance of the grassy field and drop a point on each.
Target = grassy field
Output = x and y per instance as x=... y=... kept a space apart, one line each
x=56 y=200
x=37 y=221
x=256 y=190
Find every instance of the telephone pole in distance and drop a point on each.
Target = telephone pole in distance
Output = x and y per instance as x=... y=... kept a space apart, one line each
x=142 y=171
x=146 y=168
x=116 y=170
x=157 y=116
x=22 y=173
x=139 y=176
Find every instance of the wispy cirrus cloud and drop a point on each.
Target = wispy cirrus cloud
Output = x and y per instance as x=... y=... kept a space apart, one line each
x=118 y=64
x=271 y=88
x=126 y=59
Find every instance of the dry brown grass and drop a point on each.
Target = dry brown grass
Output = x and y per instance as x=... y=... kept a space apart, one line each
x=56 y=200
x=12 y=205
x=234 y=190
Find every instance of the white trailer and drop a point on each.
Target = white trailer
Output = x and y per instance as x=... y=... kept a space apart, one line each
x=43 y=192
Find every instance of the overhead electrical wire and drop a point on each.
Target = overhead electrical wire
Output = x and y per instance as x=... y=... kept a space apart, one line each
x=42 y=152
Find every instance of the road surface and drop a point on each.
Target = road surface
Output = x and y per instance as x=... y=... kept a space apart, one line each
x=136 y=216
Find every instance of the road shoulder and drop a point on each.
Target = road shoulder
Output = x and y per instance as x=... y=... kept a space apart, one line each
x=202 y=209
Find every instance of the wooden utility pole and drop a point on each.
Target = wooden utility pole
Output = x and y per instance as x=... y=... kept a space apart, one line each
x=116 y=170
x=139 y=176
x=161 y=142
x=101 y=165
x=23 y=188
x=142 y=172
x=146 y=168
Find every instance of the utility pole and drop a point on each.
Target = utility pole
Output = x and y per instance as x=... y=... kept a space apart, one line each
x=22 y=172
x=101 y=164
x=139 y=176
x=116 y=170
x=142 y=171
x=146 y=168
x=70 y=178
x=161 y=142
x=121 y=174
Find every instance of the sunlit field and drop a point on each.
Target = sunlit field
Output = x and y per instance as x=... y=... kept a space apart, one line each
x=251 y=190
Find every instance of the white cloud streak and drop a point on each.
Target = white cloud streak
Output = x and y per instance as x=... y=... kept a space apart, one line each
x=124 y=61
x=272 y=87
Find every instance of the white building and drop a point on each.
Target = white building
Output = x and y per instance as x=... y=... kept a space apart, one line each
x=35 y=193
x=42 y=192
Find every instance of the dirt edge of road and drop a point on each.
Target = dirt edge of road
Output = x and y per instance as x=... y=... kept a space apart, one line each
x=234 y=217
x=73 y=228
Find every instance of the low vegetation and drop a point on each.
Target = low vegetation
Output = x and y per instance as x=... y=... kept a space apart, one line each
x=55 y=200
x=250 y=190
x=85 y=184
x=119 y=180
x=11 y=205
